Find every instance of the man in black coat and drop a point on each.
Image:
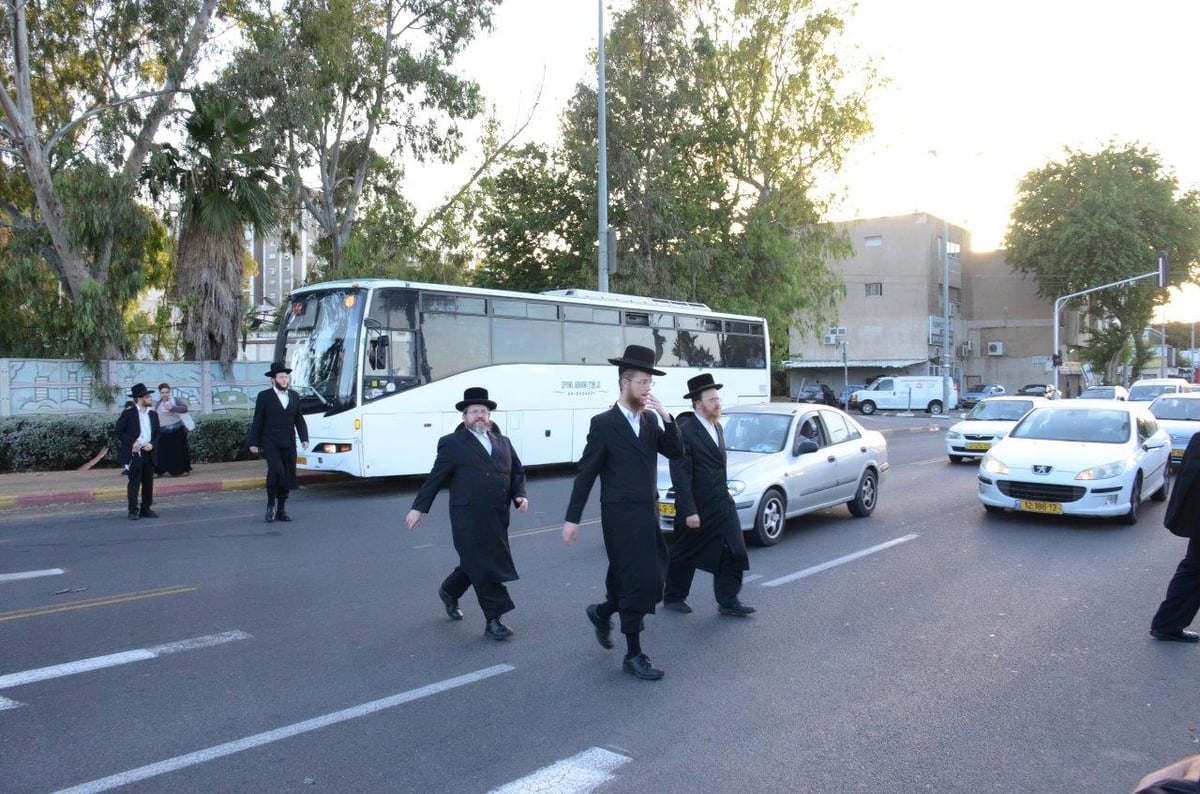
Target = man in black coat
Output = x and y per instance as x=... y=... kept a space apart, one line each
x=484 y=475
x=277 y=420
x=708 y=534
x=622 y=449
x=137 y=435
x=1182 y=602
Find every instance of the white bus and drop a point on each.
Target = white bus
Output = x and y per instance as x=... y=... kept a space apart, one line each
x=379 y=365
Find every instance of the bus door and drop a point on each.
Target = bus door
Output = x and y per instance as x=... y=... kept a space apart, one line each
x=541 y=437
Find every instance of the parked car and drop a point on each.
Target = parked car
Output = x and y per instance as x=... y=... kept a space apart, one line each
x=1179 y=415
x=777 y=470
x=985 y=424
x=1104 y=393
x=1148 y=388
x=817 y=393
x=980 y=391
x=905 y=393
x=1046 y=390
x=1078 y=457
x=847 y=392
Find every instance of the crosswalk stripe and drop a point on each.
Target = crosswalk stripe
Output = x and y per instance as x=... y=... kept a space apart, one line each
x=791 y=577
x=575 y=775
x=19 y=575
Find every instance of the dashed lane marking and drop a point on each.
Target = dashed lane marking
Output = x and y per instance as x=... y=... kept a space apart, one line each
x=19 y=575
x=575 y=775
x=791 y=577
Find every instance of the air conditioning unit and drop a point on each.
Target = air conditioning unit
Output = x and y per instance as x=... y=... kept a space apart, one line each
x=968 y=346
x=965 y=349
x=995 y=348
x=831 y=339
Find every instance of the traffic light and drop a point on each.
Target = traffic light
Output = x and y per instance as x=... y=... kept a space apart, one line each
x=1164 y=277
x=1056 y=360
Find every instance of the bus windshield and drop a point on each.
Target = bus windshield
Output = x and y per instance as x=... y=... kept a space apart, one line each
x=319 y=341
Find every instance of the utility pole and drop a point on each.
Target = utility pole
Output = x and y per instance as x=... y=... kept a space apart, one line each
x=602 y=181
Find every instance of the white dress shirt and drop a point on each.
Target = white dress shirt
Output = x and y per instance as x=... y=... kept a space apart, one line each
x=485 y=440
x=634 y=418
x=283 y=397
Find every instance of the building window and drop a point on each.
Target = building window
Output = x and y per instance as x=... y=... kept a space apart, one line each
x=873 y=241
x=874 y=289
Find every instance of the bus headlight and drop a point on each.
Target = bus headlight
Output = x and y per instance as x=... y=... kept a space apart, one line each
x=330 y=448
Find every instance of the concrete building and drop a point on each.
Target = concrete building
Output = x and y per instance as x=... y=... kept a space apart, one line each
x=284 y=260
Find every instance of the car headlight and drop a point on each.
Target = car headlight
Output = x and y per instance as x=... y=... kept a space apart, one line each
x=735 y=487
x=953 y=434
x=999 y=435
x=993 y=465
x=1108 y=470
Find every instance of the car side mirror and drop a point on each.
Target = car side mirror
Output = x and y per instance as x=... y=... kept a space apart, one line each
x=804 y=446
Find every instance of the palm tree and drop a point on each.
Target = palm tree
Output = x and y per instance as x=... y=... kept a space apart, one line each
x=225 y=183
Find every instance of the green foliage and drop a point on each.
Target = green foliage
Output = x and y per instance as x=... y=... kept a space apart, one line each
x=220 y=437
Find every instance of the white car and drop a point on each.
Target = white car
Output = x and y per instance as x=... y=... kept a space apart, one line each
x=1078 y=457
x=787 y=459
x=985 y=424
x=1179 y=415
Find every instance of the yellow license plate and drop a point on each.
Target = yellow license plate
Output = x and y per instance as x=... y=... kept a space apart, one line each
x=1041 y=507
x=301 y=460
x=1177 y=453
x=978 y=445
x=666 y=509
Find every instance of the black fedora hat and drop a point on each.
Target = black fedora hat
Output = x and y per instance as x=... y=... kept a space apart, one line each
x=139 y=390
x=637 y=357
x=276 y=368
x=700 y=384
x=476 y=395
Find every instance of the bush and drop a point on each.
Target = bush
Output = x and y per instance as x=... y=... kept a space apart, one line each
x=59 y=443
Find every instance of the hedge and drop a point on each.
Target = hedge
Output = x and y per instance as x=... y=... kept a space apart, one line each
x=60 y=443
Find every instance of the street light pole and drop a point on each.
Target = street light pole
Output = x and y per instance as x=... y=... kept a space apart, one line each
x=946 y=316
x=602 y=181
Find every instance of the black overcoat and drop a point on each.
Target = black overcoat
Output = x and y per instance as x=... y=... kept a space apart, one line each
x=700 y=482
x=482 y=487
x=1183 y=511
x=627 y=466
x=273 y=430
x=129 y=428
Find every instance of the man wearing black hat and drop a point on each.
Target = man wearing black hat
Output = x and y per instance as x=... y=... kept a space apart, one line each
x=622 y=449
x=708 y=534
x=137 y=435
x=277 y=420
x=484 y=475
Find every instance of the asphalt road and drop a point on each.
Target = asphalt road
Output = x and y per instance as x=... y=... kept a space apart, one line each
x=929 y=647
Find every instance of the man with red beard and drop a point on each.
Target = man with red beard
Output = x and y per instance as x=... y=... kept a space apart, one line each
x=708 y=534
x=622 y=449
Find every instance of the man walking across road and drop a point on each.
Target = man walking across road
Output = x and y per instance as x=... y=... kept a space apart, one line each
x=484 y=475
x=622 y=449
x=277 y=420
x=137 y=435
x=708 y=534
x=1182 y=602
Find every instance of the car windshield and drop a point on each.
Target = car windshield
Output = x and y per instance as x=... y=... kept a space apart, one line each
x=978 y=388
x=1099 y=394
x=756 y=432
x=1102 y=426
x=999 y=410
x=1148 y=391
x=1176 y=408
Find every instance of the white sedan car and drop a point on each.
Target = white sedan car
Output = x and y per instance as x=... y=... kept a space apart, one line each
x=786 y=460
x=1179 y=415
x=1078 y=457
x=985 y=424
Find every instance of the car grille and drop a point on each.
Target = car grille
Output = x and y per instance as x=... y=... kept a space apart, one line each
x=978 y=437
x=1041 y=492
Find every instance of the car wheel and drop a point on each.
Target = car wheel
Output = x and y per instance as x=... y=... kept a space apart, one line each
x=1161 y=494
x=863 y=503
x=867 y=407
x=993 y=508
x=935 y=408
x=768 y=523
x=956 y=458
x=1135 y=502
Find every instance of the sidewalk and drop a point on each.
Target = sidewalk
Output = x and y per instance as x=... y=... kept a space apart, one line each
x=31 y=489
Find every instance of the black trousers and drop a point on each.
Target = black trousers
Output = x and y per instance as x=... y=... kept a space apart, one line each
x=727 y=581
x=141 y=477
x=493 y=596
x=1179 y=608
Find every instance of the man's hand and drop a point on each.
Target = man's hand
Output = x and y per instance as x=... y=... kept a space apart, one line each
x=693 y=521
x=253 y=450
x=570 y=532
x=413 y=519
x=656 y=405
x=304 y=444
x=522 y=504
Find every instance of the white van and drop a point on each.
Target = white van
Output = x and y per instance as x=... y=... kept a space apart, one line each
x=905 y=393
x=1149 y=388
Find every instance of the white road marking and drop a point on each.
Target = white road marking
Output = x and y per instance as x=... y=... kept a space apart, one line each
x=114 y=659
x=575 y=775
x=287 y=731
x=751 y=577
x=5 y=703
x=14 y=577
x=791 y=577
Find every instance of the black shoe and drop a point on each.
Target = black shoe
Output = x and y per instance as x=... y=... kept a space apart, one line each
x=146 y=512
x=737 y=609
x=282 y=516
x=682 y=607
x=603 y=627
x=270 y=514
x=1175 y=636
x=133 y=516
x=640 y=667
x=451 y=604
x=497 y=630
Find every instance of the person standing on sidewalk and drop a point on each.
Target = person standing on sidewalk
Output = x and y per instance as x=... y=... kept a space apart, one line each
x=708 y=534
x=1182 y=601
x=172 y=456
x=137 y=434
x=622 y=449
x=484 y=476
x=276 y=423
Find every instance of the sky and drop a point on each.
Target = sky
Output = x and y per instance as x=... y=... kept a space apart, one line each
x=980 y=94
